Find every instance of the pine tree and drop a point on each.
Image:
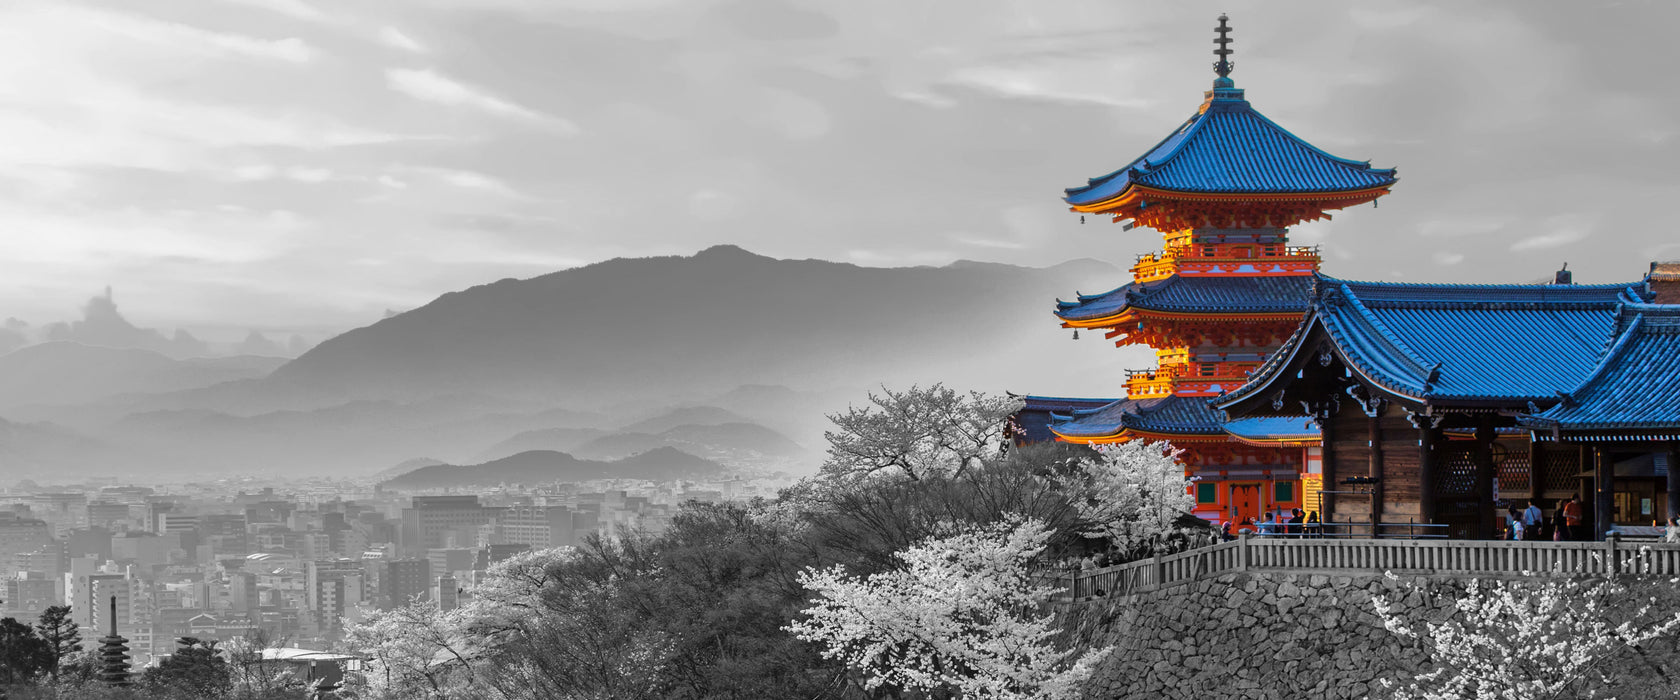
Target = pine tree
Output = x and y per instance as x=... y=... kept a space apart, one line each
x=60 y=633
x=23 y=656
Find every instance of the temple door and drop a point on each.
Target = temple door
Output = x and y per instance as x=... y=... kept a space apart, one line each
x=1244 y=503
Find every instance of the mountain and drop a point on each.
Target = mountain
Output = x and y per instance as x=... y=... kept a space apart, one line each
x=643 y=345
x=552 y=439
x=546 y=466
x=62 y=372
x=706 y=324
x=728 y=443
x=686 y=415
x=47 y=452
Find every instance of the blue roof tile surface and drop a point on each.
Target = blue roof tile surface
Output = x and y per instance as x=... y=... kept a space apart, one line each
x=1635 y=385
x=1175 y=415
x=1459 y=342
x=1178 y=415
x=1231 y=148
x=1033 y=419
x=1196 y=294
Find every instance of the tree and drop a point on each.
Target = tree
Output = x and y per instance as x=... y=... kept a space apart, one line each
x=23 y=655
x=60 y=633
x=195 y=670
x=412 y=651
x=1132 y=494
x=917 y=433
x=1514 y=640
x=961 y=616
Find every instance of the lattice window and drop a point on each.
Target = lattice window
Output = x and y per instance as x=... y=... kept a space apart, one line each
x=1514 y=473
x=1457 y=472
x=1559 y=470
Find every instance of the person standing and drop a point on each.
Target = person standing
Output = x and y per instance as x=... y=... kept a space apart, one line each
x=1532 y=520
x=1572 y=519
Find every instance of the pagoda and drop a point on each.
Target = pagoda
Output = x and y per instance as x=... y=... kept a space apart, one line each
x=1223 y=294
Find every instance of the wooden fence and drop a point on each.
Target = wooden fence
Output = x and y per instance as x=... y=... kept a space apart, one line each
x=1331 y=556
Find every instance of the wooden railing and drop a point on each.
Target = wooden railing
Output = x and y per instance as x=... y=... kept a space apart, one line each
x=1310 y=555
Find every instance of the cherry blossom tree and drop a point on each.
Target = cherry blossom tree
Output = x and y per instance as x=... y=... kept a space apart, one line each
x=961 y=616
x=1132 y=494
x=1522 y=640
x=414 y=651
x=917 y=433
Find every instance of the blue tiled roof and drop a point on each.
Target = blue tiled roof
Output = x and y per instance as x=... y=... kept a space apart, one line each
x=1509 y=343
x=1274 y=428
x=1033 y=418
x=1176 y=415
x=1634 y=386
x=1230 y=148
x=1196 y=294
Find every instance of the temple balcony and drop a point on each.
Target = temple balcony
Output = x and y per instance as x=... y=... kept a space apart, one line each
x=1250 y=259
x=1196 y=379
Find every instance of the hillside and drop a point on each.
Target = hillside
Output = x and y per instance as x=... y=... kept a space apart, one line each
x=669 y=327
x=545 y=466
x=63 y=372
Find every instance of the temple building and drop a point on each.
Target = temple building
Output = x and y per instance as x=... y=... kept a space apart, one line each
x=1219 y=300
x=1452 y=401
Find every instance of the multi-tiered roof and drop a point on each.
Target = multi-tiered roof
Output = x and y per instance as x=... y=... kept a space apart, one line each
x=1227 y=289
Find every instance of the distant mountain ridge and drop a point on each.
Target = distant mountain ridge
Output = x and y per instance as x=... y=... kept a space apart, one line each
x=723 y=337
x=64 y=372
x=545 y=466
x=702 y=324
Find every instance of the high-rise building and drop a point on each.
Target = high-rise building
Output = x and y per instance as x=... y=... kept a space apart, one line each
x=404 y=581
x=332 y=589
x=447 y=593
x=29 y=593
x=19 y=535
x=540 y=527
x=435 y=522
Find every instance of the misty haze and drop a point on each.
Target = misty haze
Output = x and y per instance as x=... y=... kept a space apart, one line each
x=523 y=349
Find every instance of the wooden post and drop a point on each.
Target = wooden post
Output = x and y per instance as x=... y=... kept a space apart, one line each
x=1486 y=522
x=1612 y=566
x=1604 y=506
x=1160 y=572
x=1426 y=470
x=1376 y=471
x=1673 y=480
x=1536 y=473
x=1242 y=551
x=1327 y=465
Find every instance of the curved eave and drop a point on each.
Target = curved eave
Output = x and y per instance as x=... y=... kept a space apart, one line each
x=1132 y=314
x=1134 y=195
x=1129 y=434
x=1277 y=442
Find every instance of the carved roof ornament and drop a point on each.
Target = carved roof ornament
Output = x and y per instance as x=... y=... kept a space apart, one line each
x=1224 y=66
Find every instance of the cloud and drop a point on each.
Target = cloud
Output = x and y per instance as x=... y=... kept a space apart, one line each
x=1548 y=240
x=392 y=37
x=431 y=86
x=297 y=9
x=290 y=49
x=1443 y=257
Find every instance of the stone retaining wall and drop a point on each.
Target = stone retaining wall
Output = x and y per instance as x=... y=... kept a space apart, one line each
x=1266 y=635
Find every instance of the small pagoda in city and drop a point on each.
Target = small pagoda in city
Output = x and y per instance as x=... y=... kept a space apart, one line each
x=1222 y=295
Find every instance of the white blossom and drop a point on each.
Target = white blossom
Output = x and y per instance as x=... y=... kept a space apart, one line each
x=962 y=616
x=1512 y=640
x=1133 y=494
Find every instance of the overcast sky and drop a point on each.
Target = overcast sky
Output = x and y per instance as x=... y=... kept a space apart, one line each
x=309 y=163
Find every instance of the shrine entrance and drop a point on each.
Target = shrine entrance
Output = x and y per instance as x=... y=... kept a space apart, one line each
x=1244 y=502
